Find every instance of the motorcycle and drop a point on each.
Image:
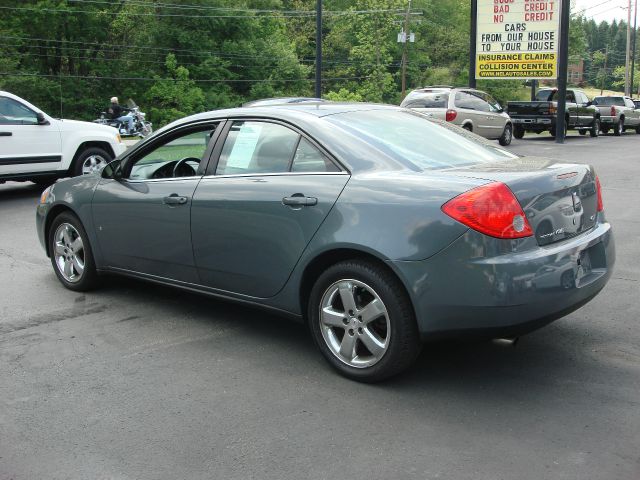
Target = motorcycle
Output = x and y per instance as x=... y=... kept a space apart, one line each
x=141 y=127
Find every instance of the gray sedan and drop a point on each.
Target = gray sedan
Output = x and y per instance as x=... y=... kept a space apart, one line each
x=377 y=227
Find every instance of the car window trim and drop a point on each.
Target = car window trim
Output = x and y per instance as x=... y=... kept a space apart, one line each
x=277 y=174
x=215 y=157
x=294 y=153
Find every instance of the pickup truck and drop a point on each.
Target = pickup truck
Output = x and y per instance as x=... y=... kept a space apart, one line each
x=618 y=113
x=541 y=115
x=40 y=148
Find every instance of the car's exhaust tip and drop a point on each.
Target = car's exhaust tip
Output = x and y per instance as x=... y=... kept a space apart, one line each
x=506 y=342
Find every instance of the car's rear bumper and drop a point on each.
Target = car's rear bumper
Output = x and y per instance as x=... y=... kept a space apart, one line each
x=533 y=122
x=607 y=120
x=480 y=285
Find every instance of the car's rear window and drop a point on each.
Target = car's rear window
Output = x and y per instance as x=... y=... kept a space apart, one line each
x=411 y=137
x=426 y=99
x=545 y=95
x=608 y=101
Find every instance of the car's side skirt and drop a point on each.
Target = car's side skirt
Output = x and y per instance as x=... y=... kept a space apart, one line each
x=28 y=160
x=201 y=289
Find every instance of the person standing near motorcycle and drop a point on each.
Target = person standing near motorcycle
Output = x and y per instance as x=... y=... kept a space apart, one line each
x=115 y=112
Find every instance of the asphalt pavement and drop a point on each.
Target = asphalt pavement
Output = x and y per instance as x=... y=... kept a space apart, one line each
x=139 y=381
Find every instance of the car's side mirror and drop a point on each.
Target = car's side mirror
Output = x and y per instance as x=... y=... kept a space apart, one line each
x=113 y=170
x=41 y=119
x=589 y=103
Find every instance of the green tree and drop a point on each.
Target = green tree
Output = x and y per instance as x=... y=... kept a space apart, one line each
x=174 y=97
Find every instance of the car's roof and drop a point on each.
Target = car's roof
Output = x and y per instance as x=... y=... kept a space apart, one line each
x=308 y=117
x=443 y=88
x=288 y=111
x=281 y=100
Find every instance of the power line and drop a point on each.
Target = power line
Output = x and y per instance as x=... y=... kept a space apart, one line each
x=182 y=15
x=115 y=48
x=352 y=63
x=240 y=80
x=236 y=9
x=193 y=7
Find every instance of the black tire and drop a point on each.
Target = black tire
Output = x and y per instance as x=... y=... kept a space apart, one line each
x=88 y=279
x=582 y=132
x=402 y=334
x=468 y=127
x=595 y=128
x=507 y=135
x=96 y=152
x=638 y=129
x=618 y=127
x=518 y=132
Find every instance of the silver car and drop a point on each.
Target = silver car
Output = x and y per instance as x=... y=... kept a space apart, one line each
x=468 y=108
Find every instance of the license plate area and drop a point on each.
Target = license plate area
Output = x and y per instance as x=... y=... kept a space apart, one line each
x=584 y=265
x=590 y=265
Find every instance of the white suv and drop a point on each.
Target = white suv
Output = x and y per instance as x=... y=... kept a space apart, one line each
x=37 y=147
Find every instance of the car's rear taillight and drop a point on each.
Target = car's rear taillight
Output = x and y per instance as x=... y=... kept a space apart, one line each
x=599 y=191
x=491 y=209
x=451 y=115
x=613 y=111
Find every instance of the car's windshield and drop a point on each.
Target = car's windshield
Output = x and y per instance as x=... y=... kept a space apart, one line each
x=411 y=137
x=608 y=101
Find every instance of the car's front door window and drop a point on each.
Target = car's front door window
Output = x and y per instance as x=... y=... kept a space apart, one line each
x=14 y=113
x=178 y=157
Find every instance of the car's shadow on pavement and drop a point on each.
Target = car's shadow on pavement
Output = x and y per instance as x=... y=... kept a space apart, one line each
x=18 y=191
x=540 y=360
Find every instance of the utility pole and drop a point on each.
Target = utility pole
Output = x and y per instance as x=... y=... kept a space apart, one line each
x=627 y=88
x=405 y=52
x=318 y=92
x=633 y=54
x=604 y=70
x=563 y=60
x=473 y=33
x=534 y=84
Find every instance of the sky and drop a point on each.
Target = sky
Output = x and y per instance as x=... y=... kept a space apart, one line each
x=601 y=10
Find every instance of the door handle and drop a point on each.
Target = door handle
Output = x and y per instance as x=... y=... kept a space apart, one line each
x=299 y=200
x=6 y=134
x=174 y=199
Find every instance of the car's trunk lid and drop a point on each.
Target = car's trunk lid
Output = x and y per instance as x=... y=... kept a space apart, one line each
x=559 y=200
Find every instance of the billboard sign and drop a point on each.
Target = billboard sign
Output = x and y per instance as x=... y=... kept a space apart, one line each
x=517 y=39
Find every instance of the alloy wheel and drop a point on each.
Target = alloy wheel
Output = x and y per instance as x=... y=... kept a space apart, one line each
x=69 y=253
x=93 y=163
x=354 y=323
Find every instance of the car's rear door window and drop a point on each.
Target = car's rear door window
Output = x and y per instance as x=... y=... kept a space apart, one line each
x=260 y=147
x=257 y=147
